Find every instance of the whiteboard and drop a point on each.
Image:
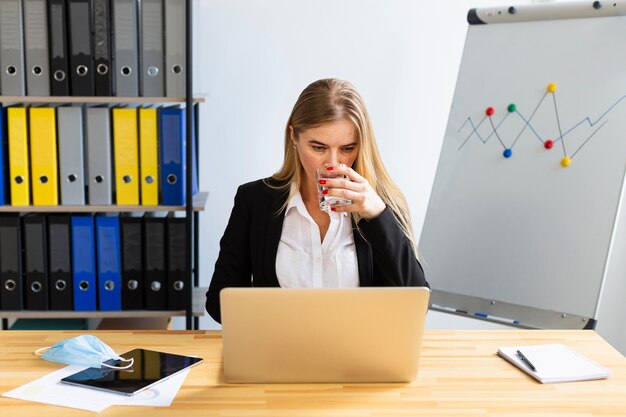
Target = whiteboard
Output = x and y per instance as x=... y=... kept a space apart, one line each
x=524 y=229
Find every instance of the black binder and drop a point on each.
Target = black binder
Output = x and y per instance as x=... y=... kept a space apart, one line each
x=57 y=37
x=103 y=62
x=36 y=265
x=132 y=263
x=11 y=297
x=60 y=282
x=155 y=275
x=80 y=27
x=176 y=260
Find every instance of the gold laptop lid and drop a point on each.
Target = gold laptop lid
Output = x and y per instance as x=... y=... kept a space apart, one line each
x=322 y=335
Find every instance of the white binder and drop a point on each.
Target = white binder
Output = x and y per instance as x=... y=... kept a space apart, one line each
x=152 y=81
x=11 y=48
x=36 y=47
x=98 y=142
x=125 y=35
x=71 y=165
x=175 y=48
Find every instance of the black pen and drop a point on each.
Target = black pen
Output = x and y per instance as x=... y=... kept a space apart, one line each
x=526 y=361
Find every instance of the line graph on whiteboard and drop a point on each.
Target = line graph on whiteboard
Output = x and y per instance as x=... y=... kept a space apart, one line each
x=567 y=139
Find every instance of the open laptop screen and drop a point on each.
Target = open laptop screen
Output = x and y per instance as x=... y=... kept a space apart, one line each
x=322 y=335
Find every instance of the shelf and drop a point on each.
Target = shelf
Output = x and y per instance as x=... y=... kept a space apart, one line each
x=100 y=100
x=199 y=298
x=199 y=202
x=196 y=203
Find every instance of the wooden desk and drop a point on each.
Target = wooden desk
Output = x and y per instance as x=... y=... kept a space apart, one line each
x=460 y=375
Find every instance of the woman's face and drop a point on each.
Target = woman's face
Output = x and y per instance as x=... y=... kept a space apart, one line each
x=331 y=143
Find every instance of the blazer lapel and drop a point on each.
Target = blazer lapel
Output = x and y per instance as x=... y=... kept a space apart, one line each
x=364 y=258
x=272 y=238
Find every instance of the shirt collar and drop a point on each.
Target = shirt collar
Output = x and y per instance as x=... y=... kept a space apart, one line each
x=296 y=203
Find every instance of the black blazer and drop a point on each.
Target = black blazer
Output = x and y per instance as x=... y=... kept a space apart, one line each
x=248 y=248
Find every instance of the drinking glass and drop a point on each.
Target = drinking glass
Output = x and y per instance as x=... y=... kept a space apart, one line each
x=326 y=201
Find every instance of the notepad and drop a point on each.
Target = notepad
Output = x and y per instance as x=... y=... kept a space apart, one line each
x=554 y=363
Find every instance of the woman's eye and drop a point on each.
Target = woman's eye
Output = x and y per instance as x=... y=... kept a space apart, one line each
x=348 y=149
x=318 y=148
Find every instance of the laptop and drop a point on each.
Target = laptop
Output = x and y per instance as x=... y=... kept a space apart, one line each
x=281 y=335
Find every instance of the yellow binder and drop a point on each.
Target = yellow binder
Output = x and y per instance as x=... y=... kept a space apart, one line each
x=148 y=157
x=18 y=156
x=43 y=156
x=126 y=154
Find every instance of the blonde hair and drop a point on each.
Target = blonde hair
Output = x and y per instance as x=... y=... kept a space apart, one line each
x=331 y=100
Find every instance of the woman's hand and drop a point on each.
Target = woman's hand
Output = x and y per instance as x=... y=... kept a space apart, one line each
x=365 y=201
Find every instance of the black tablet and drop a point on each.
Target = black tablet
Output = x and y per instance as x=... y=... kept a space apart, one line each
x=149 y=367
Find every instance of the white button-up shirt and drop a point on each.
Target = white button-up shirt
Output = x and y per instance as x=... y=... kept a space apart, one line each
x=302 y=261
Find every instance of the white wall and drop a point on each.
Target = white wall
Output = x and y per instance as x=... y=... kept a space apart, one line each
x=252 y=58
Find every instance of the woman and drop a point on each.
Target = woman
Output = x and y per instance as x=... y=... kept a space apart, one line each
x=277 y=234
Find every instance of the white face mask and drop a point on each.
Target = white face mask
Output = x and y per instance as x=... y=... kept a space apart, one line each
x=84 y=350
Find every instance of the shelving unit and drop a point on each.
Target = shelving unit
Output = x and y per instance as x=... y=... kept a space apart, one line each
x=96 y=99
x=199 y=202
x=199 y=297
x=194 y=204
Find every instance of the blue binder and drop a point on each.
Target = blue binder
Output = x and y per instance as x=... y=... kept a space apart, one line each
x=84 y=263
x=173 y=157
x=4 y=163
x=109 y=265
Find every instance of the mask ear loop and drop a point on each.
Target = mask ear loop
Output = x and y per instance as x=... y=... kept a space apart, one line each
x=39 y=352
x=131 y=360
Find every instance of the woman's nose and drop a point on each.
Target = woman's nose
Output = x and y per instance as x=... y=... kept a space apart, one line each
x=334 y=158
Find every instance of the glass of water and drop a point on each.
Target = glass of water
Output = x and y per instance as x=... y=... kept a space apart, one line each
x=326 y=201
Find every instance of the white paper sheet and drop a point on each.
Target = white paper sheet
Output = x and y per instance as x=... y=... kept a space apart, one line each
x=159 y=395
x=49 y=390
x=554 y=363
